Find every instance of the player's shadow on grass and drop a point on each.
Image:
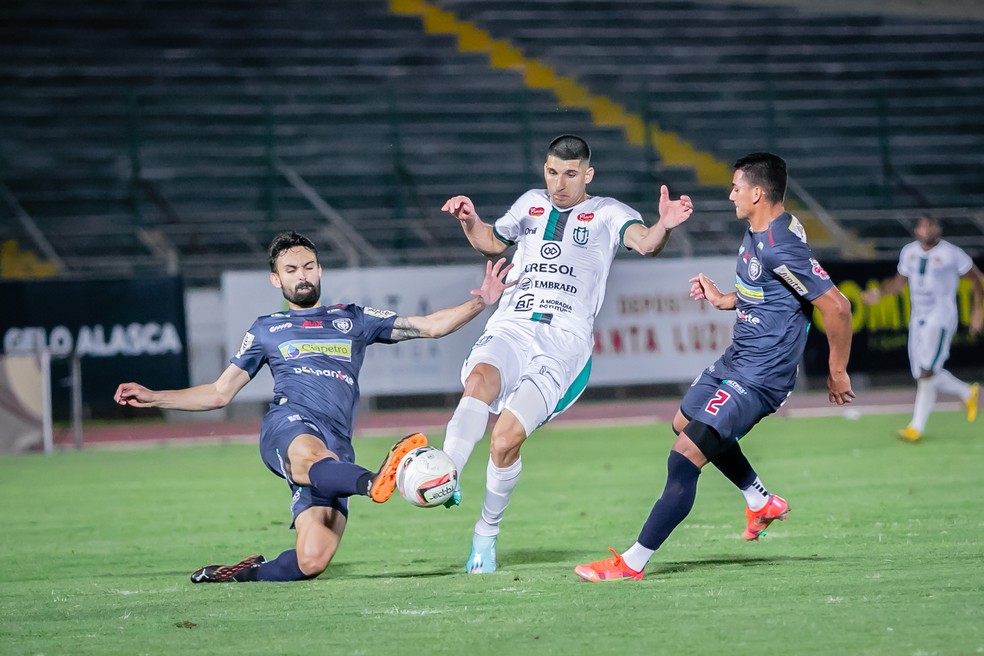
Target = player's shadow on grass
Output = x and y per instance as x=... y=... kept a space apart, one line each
x=536 y=556
x=414 y=571
x=687 y=565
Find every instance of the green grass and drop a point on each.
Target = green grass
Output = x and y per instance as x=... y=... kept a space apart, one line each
x=882 y=553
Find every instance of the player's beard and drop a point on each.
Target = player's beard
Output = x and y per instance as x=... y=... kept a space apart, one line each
x=305 y=295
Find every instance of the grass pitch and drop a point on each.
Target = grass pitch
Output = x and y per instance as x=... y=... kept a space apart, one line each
x=882 y=553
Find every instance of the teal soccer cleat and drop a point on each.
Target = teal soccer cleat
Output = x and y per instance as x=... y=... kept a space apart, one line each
x=482 y=558
x=455 y=499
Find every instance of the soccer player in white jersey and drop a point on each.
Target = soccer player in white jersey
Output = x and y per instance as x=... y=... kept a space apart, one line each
x=534 y=359
x=932 y=267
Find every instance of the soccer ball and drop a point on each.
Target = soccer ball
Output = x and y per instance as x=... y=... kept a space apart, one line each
x=426 y=477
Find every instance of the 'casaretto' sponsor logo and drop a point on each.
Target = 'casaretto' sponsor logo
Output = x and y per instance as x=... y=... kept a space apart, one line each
x=339 y=349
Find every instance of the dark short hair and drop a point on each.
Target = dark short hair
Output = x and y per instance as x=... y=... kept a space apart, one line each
x=930 y=219
x=284 y=242
x=767 y=171
x=568 y=147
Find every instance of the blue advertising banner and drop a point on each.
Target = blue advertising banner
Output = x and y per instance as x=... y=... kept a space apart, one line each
x=121 y=329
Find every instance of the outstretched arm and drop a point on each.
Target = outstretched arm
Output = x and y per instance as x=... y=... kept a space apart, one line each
x=887 y=288
x=201 y=397
x=446 y=321
x=479 y=233
x=703 y=288
x=836 y=313
x=651 y=240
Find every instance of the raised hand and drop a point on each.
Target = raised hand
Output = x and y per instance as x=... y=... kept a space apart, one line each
x=495 y=281
x=703 y=288
x=461 y=207
x=673 y=212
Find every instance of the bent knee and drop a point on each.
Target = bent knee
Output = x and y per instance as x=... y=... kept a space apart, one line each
x=507 y=438
x=313 y=561
x=483 y=383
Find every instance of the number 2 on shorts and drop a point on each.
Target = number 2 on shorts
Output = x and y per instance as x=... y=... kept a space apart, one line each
x=714 y=405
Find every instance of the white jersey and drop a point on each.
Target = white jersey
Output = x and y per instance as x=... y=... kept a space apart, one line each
x=562 y=259
x=933 y=279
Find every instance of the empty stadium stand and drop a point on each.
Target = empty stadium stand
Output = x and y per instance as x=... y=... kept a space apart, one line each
x=159 y=134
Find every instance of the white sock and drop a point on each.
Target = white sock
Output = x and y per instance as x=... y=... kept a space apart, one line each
x=925 y=400
x=499 y=484
x=950 y=384
x=465 y=430
x=756 y=496
x=637 y=557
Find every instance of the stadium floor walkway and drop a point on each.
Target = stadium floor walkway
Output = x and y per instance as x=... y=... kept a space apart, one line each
x=584 y=414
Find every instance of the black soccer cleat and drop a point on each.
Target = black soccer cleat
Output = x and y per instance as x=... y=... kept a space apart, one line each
x=244 y=570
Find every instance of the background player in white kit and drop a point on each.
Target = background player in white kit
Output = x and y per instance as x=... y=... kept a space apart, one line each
x=932 y=267
x=533 y=361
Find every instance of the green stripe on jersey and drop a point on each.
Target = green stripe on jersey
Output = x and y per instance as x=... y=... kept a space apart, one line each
x=555 y=225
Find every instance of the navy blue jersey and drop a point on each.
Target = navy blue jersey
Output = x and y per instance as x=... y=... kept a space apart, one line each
x=315 y=356
x=777 y=277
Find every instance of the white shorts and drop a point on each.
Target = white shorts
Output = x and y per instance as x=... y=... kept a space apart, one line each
x=929 y=344
x=556 y=361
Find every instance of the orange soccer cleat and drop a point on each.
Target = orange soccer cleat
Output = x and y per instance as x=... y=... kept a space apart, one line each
x=609 y=569
x=759 y=520
x=385 y=481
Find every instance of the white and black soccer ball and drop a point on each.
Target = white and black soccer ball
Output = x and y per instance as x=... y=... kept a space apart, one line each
x=426 y=477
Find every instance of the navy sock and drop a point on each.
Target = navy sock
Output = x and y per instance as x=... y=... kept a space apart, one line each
x=282 y=568
x=333 y=478
x=675 y=503
x=735 y=467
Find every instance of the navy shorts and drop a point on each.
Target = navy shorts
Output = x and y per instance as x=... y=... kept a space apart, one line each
x=280 y=426
x=729 y=407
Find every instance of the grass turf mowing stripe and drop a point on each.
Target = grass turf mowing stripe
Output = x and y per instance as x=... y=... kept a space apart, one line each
x=881 y=553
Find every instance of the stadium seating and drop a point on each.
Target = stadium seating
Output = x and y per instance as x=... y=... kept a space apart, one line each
x=135 y=131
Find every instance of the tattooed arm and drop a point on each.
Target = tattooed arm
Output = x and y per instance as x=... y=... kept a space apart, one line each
x=446 y=321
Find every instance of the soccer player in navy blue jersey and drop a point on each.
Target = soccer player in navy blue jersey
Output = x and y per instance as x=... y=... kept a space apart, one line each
x=778 y=284
x=315 y=353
